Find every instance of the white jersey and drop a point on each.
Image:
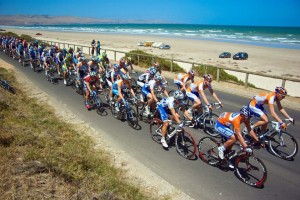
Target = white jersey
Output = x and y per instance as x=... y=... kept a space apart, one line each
x=167 y=102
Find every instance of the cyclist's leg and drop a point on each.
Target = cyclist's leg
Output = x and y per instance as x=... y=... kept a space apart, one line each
x=259 y=112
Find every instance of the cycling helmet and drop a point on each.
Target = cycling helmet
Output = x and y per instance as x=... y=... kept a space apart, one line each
x=64 y=49
x=157 y=77
x=152 y=70
x=94 y=59
x=178 y=95
x=125 y=77
x=116 y=67
x=83 y=59
x=208 y=77
x=93 y=73
x=281 y=90
x=245 y=112
x=80 y=52
x=191 y=72
x=31 y=48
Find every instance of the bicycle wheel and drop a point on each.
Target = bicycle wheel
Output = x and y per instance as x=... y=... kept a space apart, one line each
x=133 y=84
x=208 y=151
x=283 y=145
x=155 y=129
x=99 y=106
x=132 y=117
x=209 y=124
x=185 y=144
x=251 y=170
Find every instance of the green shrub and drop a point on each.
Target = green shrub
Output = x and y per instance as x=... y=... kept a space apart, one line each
x=10 y=34
x=145 y=60
x=224 y=76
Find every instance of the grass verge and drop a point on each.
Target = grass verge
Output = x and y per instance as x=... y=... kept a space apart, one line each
x=44 y=157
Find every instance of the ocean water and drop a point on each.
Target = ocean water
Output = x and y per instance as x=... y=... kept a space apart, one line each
x=280 y=37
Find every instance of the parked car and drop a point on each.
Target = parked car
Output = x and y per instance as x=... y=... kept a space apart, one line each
x=38 y=34
x=140 y=44
x=225 y=55
x=240 y=56
x=164 y=46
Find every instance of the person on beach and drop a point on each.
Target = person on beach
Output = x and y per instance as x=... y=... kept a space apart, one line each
x=93 y=44
x=256 y=107
x=98 y=48
x=192 y=92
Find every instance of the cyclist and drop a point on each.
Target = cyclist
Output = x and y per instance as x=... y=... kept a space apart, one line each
x=145 y=77
x=233 y=120
x=32 y=55
x=111 y=76
x=123 y=67
x=256 y=107
x=165 y=107
x=128 y=62
x=194 y=89
x=47 y=63
x=21 y=51
x=148 y=90
x=158 y=69
x=91 y=81
x=117 y=89
x=181 y=79
x=68 y=64
x=82 y=69
x=59 y=60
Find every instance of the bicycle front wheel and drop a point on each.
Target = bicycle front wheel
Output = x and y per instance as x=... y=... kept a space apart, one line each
x=155 y=129
x=208 y=151
x=209 y=124
x=132 y=117
x=185 y=144
x=251 y=170
x=283 y=145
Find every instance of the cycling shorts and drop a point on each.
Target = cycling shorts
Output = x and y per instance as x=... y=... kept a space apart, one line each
x=145 y=91
x=163 y=112
x=257 y=110
x=178 y=83
x=115 y=92
x=109 y=83
x=224 y=131
x=140 y=83
x=64 y=68
x=193 y=95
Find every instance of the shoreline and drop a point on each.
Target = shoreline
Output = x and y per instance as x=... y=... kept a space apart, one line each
x=196 y=38
x=264 y=60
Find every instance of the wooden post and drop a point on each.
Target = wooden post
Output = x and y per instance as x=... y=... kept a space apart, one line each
x=115 y=55
x=246 y=80
x=64 y=45
x=172 y=65
x=218 y=74
x=152 y=59
x=89 y=51
x=193 y=65
x=138 y=60
x=283 y=83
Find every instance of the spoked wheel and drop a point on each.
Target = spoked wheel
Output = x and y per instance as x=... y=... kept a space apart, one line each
x=251 y=170
x=185 y=144
x=209 y=124
x=155 y=129
x=283 y=145
x=132 y=117
x=99 y=106
x=133 y=84
x=208 y=151
x=114 y=113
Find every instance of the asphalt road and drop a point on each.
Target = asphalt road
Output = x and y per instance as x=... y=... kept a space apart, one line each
x=195 y=178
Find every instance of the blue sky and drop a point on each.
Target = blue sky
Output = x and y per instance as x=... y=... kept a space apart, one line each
x=221 y=12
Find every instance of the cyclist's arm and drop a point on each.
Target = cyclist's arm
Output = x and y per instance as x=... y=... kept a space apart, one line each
x=282 y=110
x=176 y=119
x=240 y=138
x=153 y=95
x=88 y=86
x=120 y=92
x=204 y=97
x=250 y=131
x=214 y=95
x=273 y=113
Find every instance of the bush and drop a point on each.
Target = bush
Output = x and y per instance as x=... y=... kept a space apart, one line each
x=10 y=34
x=224 y=76
x=145 y=60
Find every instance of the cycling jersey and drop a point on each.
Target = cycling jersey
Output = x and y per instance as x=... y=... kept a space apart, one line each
x=89 y=80
x=198 y=86
x=257 y=102
x=93 y=66
x=150 y=86
x=164 y=107
x=181 y=78
x=82 y=69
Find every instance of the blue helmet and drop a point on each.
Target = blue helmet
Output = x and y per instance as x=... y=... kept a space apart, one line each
x=93 y=73
x=124 y=76
x=152 y=70
x=116 y=67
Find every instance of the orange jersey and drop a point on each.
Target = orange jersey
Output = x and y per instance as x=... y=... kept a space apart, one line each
x=263 y=98
x=198 y=86
x=231 y=119
x=182 y=77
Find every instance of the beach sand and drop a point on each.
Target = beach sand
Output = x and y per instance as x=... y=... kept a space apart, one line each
x=266 y=60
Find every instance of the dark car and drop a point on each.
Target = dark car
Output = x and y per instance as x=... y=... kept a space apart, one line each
x=240 y=56
x=225 y=55
x=164 y=46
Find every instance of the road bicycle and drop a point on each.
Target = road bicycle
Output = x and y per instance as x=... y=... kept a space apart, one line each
x=207 y=119
x=95 y=102
x=126 y=112
x=6 y=85
x=247 y=168
x=50 y=74
x=184 y=141
x=277 y=141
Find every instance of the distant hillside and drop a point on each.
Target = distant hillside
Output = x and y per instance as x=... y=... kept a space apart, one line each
x=49 y=20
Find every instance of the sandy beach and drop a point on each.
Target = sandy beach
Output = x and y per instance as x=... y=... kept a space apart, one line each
x=266 y=60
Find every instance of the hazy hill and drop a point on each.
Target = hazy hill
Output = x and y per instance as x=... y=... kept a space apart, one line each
x=48 y=20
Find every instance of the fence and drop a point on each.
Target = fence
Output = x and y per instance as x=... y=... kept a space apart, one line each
x=258 y=79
